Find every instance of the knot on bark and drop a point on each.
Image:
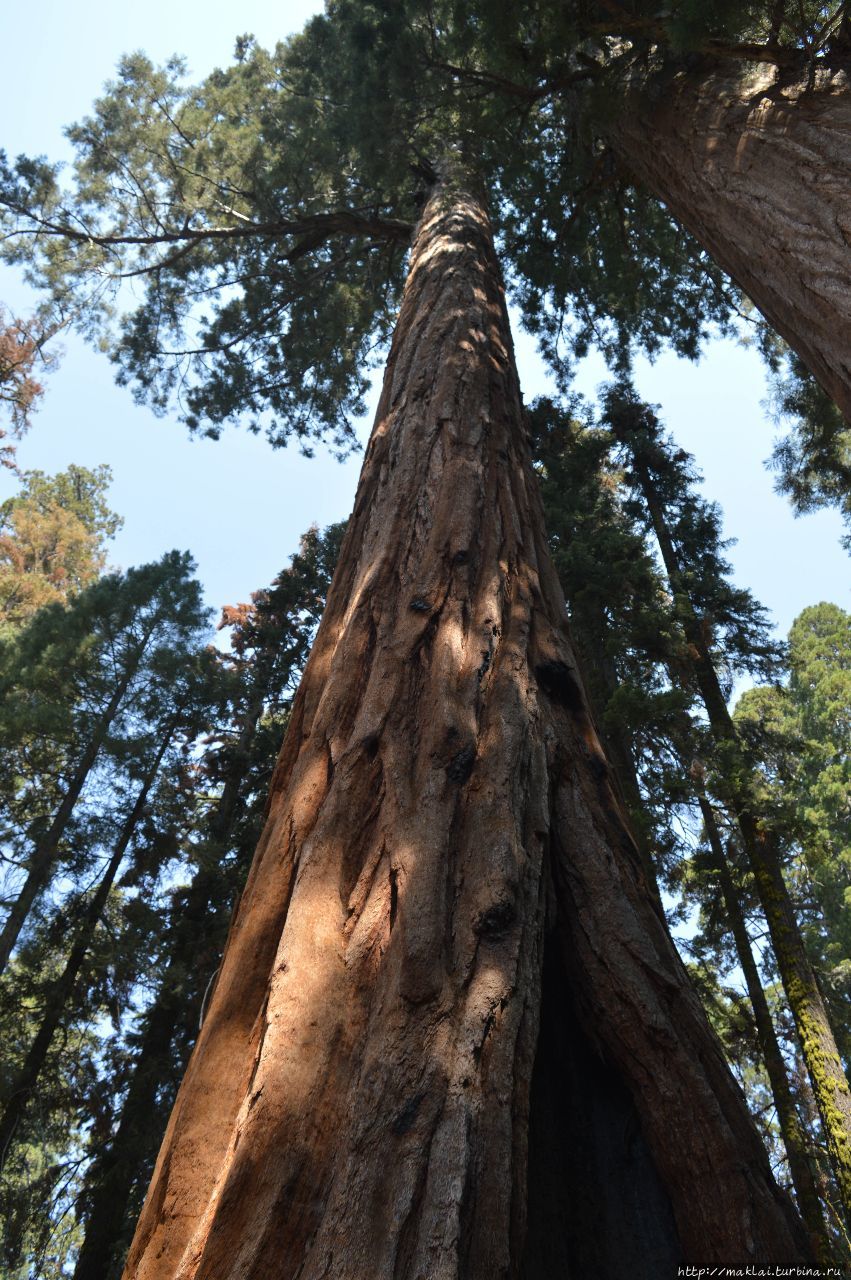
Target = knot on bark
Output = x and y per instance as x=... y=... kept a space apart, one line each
x=496 y=919
x=406 y=1117
x=560 y=684
x=461 y=765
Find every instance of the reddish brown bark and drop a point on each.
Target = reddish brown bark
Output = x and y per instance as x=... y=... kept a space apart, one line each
x=758 y=167
x=369 y=1096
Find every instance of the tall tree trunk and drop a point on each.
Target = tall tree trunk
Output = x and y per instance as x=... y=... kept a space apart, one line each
x=794 y=1137
x=818 y=1043
x=44 y=855
x=443 y=845
x=172 y=1021
x=60 y=992
x=756 y=164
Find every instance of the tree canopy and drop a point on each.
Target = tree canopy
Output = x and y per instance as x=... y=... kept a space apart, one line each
x=265 y=218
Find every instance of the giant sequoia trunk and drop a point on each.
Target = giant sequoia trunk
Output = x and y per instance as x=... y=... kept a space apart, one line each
x=756 y=163
x=450 y=1036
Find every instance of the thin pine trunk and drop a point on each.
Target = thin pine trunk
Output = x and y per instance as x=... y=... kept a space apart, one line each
x=60 y=992
x=171 y=1021
x=794 y=1137
x=44 y=855
x=195 y=946
x=818 y=1043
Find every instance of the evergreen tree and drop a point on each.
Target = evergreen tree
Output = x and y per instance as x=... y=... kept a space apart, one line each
x=578 y=112
x=705 y=611
x=86 y=936
x=52 y=540
x=620 y=618
x=813 y=460
x=174 y=715
x=795 y=1141
x=270 y=640
x=407 y=723
x=799 y=734
x=22 y=348
x=630 y=639
x=91 y=666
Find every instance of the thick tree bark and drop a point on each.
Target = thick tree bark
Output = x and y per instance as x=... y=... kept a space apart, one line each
x=443 y=844
x=24 y=1083
x=757 y=166
x=801 y=1162
x=818 y=1043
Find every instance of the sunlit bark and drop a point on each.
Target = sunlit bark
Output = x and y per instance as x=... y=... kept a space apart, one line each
x=445 y=857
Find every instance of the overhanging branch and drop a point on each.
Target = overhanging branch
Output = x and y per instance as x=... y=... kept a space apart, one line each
x=314 y=230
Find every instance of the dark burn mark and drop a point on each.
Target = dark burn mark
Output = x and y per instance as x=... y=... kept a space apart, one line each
x=560 y=684
x=495 y=920
x=598 y=765
x=485 y=667
x=406 y=1117
x=461 y=557
x=461 y=765
x=394 y=897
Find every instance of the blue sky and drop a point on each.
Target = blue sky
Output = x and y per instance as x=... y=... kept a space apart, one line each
x=235 y=503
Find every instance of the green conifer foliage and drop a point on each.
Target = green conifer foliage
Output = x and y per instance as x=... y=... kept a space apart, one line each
x=630 y=631
x=53 y=536
x=119 y=679
x=704 y=612
x=801 y=734
x=270 y=279
x=225 y=792
x=73 y=683
x=813 y=460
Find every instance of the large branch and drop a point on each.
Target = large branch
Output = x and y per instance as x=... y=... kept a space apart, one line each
x=317 y=227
